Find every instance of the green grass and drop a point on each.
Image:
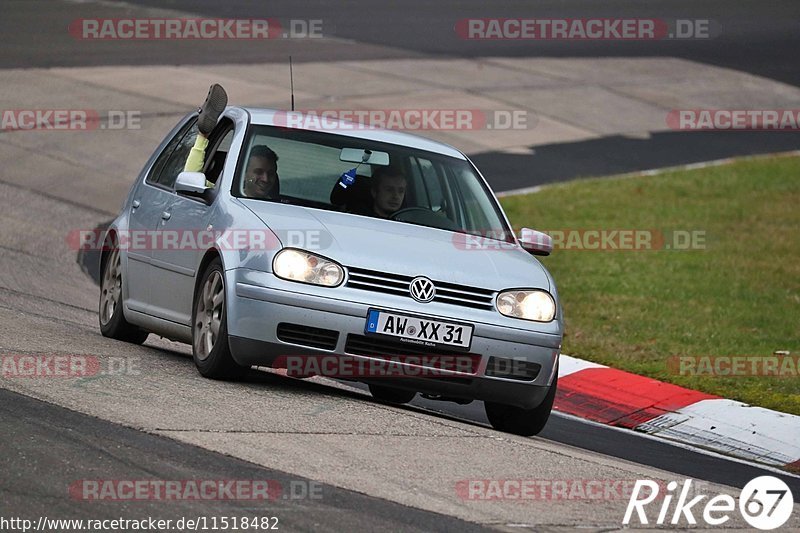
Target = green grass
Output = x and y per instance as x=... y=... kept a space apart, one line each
x=740 y=295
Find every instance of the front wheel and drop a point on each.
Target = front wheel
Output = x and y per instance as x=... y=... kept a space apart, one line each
x=112 y=320
x=210 y=349
x=520 y=421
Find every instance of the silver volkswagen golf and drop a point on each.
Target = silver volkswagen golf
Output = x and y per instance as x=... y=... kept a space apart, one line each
x=306 y=247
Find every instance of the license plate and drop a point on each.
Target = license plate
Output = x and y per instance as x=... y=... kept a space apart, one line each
x=419 y=332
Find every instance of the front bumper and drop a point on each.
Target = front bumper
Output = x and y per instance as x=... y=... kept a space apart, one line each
x=257 y=302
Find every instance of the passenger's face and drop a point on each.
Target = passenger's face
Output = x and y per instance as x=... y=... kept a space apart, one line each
x=260 y=177
x=388 y=197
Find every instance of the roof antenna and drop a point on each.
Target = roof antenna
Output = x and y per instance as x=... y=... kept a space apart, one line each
x=291 y=81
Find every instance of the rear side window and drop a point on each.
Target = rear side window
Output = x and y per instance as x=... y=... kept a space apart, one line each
x=172 y=160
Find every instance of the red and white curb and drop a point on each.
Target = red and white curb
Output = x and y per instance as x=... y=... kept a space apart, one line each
x=617 y=398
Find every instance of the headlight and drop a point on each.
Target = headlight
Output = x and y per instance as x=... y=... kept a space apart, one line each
x=528 y=305
x=297 y=265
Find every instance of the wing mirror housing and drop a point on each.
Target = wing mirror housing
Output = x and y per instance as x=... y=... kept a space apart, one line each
x=192 y=184
x=535 y=242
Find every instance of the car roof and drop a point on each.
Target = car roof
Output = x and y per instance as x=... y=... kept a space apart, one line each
x=274 y=117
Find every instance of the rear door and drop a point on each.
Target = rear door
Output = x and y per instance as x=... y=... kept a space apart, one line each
x=150 y=200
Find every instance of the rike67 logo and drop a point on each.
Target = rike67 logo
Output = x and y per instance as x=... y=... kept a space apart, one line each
x=765 y=503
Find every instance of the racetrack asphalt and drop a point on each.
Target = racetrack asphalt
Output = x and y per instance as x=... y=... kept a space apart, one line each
x=49 y=450
x=751 y=37
x=380 y=464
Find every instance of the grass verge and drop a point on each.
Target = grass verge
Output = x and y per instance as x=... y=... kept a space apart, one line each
x=734 y=293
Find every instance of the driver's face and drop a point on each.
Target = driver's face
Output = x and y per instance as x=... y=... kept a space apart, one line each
x=260 y=177
x=388 y=197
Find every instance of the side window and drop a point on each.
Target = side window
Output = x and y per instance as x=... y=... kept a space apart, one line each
x=452 y=204
x=475 y=204
x=432 y=185
x=177 y=160
x=416 y=194
x=217 y=151
x=155 y=175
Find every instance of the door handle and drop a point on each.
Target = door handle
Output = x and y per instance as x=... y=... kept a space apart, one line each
x=135 y=204
x=165 y=215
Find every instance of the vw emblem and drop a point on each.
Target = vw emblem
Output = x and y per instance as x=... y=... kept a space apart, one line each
x=422 y=289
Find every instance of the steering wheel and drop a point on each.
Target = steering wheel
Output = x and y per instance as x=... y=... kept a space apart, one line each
x=424 y=217
x=396 y=214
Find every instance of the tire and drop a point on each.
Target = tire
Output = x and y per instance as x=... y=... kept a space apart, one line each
x=210 y=349
x=526 y=422
x=390 y=394
x=109 y=313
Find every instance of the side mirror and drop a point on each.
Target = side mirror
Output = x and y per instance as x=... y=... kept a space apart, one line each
x=191 y=184
x=535 y=242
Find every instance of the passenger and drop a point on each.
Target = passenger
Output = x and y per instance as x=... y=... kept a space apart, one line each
x=261 y=176
x=388 y=188
x=212 y=108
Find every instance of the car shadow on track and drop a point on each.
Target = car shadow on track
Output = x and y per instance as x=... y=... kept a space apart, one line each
x=335 y=389
x=88 y=257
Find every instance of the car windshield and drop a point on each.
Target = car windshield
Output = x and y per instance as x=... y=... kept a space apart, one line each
x=418 y=187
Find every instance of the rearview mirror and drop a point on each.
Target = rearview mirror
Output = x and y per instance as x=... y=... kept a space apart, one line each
x=535 y=242
x=369 y=157
x=191 y=184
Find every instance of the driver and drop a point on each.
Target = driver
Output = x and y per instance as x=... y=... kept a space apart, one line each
x=388 y=190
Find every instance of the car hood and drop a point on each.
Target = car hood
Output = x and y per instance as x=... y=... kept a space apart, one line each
x=400 y=248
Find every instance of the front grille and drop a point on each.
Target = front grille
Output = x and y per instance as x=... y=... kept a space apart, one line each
x=448 y=293
x=378 y=347
x=325 y=339
x=502 y=367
